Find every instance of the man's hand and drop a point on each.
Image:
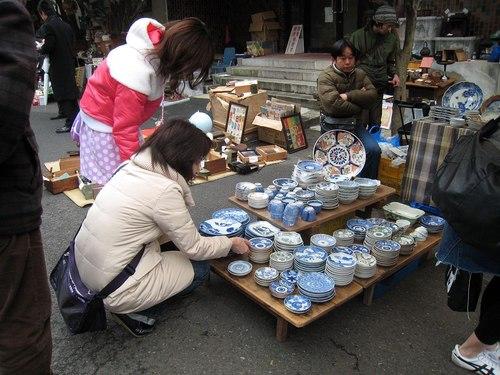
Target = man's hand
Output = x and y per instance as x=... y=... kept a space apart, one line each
x=343 y=96
x=395 y=81
x=240 y=245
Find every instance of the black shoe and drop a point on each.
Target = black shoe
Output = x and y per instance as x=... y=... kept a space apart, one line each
x=137 y=325
x=64 y=129
x=58 y=117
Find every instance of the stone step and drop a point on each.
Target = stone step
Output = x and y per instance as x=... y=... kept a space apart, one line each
x=277 y=73
x=272 y=84
x=306 y=61
x=305 y=100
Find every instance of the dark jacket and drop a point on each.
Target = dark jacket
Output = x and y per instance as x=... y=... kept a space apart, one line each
x=378 y=55
x=59 y=46
x=333 y=82
x=20 y=175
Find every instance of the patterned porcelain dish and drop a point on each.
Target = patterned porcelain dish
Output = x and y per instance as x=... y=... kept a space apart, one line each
x=340 y=152
x=220 y=227
x=232 y=213
x=316 y=283
x=466 y=96
x=261 y=243
x=310 y=254
x=309 y=166
x=285 y=182
x=239 y=268
x=297 y=304
x=290 y=276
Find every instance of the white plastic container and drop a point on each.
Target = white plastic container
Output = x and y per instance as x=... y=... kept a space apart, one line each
x=397 y=211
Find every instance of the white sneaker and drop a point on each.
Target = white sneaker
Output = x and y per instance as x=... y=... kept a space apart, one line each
x=495 y=352
x=483 y=363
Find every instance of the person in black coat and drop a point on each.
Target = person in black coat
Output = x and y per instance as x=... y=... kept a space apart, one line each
x=59 y=46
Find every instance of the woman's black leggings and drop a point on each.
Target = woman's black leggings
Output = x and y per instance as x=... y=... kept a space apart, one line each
x=488 y=329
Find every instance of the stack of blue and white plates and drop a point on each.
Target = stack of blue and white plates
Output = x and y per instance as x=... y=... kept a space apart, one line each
x=407 y=244
x=341 y=267
x=344 y=237
x=366 y=266
x=232 y=213
x=290 y=276
x=359 y=227
x=325 y=241
x=386 y=252
x=376 y=233
x=243 y=189
x=433 y=224
x=328 y=193
x=287 y=241
x=317 y=286
x=264 y=276
x=281 y=260
x=367 y=187
x=221 y=227
x=239 y=268
x=392 y=226
x=343 y=249
x=304 y=195
x=308 y=172
x=280 y=289
x=258 y=200
x=280 y=183
x=298 y=304
x=260 y=249
x=359 y=249
x=310 y=259
x=348 y=191
x=261 y=229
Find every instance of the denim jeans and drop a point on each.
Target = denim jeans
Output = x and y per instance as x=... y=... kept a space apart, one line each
x=370 y=170
x=201 y=274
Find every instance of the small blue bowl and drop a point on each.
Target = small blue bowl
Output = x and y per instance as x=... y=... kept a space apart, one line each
x=316 y=204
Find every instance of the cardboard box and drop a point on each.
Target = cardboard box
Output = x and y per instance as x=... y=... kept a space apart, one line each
x=262 y=48
x=249 y=157
x=270 y=131
x=264 y=27
x=262 y=16
x=390 y=175
x=244 y=87
x=215 y=163
x=271 y=153
x=219 y=105
x=54 y=170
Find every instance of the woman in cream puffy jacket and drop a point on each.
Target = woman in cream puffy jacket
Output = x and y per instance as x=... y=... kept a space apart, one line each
x=146 y=202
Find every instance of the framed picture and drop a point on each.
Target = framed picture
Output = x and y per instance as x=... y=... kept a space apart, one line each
x=295 y=136
x=235 y=123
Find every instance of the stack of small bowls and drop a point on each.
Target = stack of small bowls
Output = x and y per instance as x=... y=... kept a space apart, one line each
x=367 y=187
x=264 y=276
x=260 y=249
x=386 y=252
x=341 y=267
x=258 y=200
x=407 y=244
x=433 y=224
x=348 y=191
x=375 y=234
x=287 y=241
x=308 y=172
x=309 y=259
x=243 y=189
x=359 y=227
x=344 y=237
x=325 y=241
x=366 y=266
x=281 y=260
x=328 y=193
x=304 y=195
x=280 y=290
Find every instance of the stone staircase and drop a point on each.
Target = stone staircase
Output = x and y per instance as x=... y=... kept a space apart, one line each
x=286 y=77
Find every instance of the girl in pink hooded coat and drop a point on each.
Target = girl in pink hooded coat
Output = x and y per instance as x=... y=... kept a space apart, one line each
x=127 y=88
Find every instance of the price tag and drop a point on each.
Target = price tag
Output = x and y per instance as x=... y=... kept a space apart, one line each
x=202 y=164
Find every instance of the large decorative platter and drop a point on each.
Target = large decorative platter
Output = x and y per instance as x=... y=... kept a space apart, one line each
x=491 y=105
x=220 y=227
x=466 y=96
x=340 y=152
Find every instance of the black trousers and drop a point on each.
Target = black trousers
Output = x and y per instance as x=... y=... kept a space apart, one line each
x=70 y=109
x=488 y=329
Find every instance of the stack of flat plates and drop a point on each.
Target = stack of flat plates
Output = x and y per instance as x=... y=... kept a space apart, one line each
x=343 y=249
x=289 y=276
x=395 y=229
x=258 y=200
x=281 y=260
x=325 y=241
x=341 y=267
x=221 y=227
x=433 y=224
x=232 y=213
x=297 y=304
x=386 y=252
x=348 y=191
x=304 y=195
x=239 y=268
x=367 y=187
x=366 y=266
x=260 y=249
x=443 y=113
x=407 y=244
x=281 y=289
x=359 y=227
x=359 y=249
x=328 y=193
x=261 y=229
x=317 y=286
x=375 y=234
x=308 y=172
x=243 y=189
x=287 y=241
x=310 y=259
x=264 y=276
x=344 y=237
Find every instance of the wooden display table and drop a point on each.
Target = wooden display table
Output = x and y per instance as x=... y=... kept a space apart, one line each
x=275 y=306
x=433 y=91
x=421 y=249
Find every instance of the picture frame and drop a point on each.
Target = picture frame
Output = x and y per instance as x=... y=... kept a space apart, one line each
x=295 y=136
x=235 y=121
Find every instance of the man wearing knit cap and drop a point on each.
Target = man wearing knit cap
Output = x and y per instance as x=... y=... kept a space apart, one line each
x=378 y=46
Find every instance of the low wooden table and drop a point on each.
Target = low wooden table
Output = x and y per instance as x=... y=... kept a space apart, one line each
x=275 y=306
x=421 y=249
x=430 y=91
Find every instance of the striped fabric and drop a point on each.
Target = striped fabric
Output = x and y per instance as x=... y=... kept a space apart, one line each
x=429 y=145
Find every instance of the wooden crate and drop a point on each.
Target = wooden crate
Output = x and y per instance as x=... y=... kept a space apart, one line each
x=390 y=175
x=271 y=152
x=69 y=165
x=215 y=163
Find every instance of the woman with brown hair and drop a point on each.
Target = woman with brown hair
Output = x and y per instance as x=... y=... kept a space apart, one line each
x=128 y=86
x=146 y=202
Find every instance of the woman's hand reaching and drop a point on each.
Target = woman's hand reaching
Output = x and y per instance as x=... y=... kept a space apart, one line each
x=240 y=245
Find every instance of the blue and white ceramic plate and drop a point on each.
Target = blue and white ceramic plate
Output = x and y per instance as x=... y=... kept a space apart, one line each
x=220 y=227
x=232 y=213
x=266 y=273
x=342 y=260
x=316 y=282
x=290 y=276
x=262 y=229
x=392 y=226
x=310 y=254
x=387 y=245
x=358 y=225
x=285 y=182
x=360 y=249
x=239 y=268
x=261 y=243
x=323 y=240
x=309 y=166
x=432 y=221
x=376 y=220
x=343 y=249
x=297 y=303
x=466 y=96
x=278 y=287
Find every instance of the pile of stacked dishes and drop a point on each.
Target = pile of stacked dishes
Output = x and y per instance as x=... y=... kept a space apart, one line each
x=342 y=249
x=433 y=224
x=308 y=172
x=281 y=260
x=289 y=276
x=221 y=227
x=328 y=193
x=258 y=200
x=317 y=286
x=239 y=268
x=297 y=304
x=386 y=252
x=243 y=189
x=348 y=191
x=366 y=266
x=324 y=241
x=304 y=195
x=395 y=229
x=280 y=290
x=359 y=227
x=288 y=183
x=407 y=244
x=359 y=249
x=344 y=237
x=261 y=229
x=376 y=233
x=367 y=187
x=232 y=213
x=309 y=259
x=287 y=241
x=376 y=220
x=341 y=267
x=264 y=276
x=337 y=177
x=260 y=249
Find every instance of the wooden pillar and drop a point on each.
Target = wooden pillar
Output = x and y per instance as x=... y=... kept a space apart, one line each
x=281 y=329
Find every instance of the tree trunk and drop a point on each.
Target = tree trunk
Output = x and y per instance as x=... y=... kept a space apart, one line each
x=403 y=58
